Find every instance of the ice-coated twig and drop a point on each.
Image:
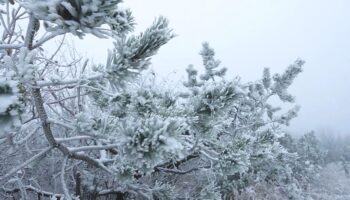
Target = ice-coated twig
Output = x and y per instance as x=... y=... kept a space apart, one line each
x=82 y=137
x=26 y=163
x=176 y=171
x=89 y=148
x=63 y=181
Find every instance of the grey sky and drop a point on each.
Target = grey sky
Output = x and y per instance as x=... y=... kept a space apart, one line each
x=251 y=34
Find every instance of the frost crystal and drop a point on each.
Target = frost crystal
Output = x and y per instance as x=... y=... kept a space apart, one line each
x=82 y=16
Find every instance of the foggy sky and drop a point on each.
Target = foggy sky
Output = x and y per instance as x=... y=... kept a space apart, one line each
x=249 y=35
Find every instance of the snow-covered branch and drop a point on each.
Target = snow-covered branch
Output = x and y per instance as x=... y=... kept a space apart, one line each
x=33 y=189
x=26 y=163
x=90 y=148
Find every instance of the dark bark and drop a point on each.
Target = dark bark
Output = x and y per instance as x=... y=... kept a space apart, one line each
x=77 y=184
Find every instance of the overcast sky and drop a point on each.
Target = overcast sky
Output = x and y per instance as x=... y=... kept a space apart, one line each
x=249 y=35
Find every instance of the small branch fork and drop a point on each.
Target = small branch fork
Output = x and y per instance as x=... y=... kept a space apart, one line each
x=46 y=126
x=33 y=189
x=36 y=88
x=32 y=159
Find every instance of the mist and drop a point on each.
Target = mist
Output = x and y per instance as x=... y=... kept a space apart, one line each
x=182 y=105
x=249 y=35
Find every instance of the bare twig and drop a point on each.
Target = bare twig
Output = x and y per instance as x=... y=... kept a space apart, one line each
x=33 y=189
x=63 y=181
x=176 y=171
x=32 y=159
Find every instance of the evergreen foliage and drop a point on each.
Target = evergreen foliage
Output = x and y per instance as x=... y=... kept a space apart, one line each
x=114 y=135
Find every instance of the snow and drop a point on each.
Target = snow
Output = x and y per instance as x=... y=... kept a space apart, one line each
x=8 y=97
x=331 y=184
x=6 y=101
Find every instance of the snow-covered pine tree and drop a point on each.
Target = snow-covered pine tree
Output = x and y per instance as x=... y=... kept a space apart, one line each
x=57 y=122
x=92 y=131
x=238 y=128
x=310 y=157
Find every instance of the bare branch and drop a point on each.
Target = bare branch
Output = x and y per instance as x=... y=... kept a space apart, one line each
x=63 y=181
x=83 y=137
x=11 y=46
x=176 y=171
x=16 y=169
x=89 y=148
x=34 y=189
x=47 y=38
